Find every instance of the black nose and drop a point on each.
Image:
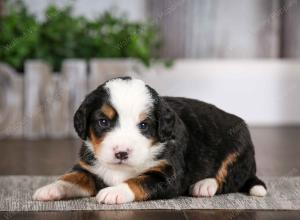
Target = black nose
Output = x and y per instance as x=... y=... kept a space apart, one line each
x=122 y=155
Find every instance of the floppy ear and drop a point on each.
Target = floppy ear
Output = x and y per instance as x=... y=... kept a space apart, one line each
x=83 y=112
x=166 y=121
x=81 y=117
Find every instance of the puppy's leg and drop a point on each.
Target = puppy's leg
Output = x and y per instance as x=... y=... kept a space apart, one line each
x=70 y=185
x=157 y=182
x=210 y=186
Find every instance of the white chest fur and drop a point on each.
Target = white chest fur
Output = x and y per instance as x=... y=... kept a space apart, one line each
x=114 y=175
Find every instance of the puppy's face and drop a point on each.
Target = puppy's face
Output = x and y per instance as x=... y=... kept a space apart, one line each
x=121 y=122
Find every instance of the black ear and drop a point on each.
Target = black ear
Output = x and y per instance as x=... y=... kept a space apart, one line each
x=81 y=118
x=82 y=114
x=166 y=121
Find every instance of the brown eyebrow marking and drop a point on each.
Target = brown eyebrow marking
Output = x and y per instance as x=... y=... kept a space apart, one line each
x=108 y=111
x=143 y=116
x=82 y=180
x=223 y=170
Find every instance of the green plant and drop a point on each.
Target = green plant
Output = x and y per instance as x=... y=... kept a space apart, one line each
x=59 y=36
x=19 y=34
x=62 y=35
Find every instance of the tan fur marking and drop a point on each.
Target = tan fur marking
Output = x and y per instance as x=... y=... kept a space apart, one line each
x=223 y=170
x=84 y=165
x=135 y=184
x=96 y=142
x=81 y=180
x=108 y=111
x=159 y=167
x=143 y=116
x=154 y=141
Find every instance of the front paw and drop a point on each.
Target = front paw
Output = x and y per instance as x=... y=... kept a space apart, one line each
x=53 y=191
x=115 y=194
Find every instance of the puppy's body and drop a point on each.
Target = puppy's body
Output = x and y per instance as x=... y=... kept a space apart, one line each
x=140 y=146
x=218 y=145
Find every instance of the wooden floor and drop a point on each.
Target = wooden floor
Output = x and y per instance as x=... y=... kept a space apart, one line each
x=277 y=153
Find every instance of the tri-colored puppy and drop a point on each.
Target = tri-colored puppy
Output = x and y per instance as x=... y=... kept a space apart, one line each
x=139 y=146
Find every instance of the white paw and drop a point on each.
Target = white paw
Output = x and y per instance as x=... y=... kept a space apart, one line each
x=53 y=191
x=205 y=188
x=258 y=190
x=115 y=194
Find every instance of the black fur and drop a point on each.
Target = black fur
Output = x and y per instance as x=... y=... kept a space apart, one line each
x=83 y=114
x=87 y=156
x=198 y=137
x=212 y=135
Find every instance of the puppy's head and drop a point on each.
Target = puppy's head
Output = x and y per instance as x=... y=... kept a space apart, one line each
x=125 y=122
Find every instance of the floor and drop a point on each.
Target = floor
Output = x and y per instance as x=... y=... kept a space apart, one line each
x=277 y=153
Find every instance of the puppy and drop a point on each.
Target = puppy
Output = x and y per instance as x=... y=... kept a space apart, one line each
x=139 y=146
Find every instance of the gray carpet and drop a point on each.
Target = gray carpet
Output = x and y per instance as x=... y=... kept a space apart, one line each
x=16 y=192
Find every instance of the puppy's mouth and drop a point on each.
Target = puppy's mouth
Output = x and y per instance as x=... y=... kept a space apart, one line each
x=120 y=163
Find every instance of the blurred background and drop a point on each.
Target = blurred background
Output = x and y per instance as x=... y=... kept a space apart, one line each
x=242 y=56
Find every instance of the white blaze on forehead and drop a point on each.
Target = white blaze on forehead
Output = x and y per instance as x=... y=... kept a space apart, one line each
x=129 y=97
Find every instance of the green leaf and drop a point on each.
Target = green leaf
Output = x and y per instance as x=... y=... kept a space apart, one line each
x=62 y=35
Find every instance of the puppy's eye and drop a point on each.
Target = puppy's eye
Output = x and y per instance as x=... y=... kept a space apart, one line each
x=143 y=126
x=104 y=123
